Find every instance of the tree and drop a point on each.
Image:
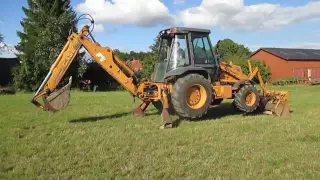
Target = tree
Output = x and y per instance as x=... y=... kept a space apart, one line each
x=1 y=38
x=45 y=31
x=155 y=46
x=122 y=55
x=148 y=63
x=231 y=51
x=264 y=69
x=149 y=59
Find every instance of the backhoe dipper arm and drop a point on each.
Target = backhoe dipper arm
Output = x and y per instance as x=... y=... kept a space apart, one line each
x=102 y=55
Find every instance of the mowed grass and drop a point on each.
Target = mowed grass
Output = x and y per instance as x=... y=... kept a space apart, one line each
x=97 y=137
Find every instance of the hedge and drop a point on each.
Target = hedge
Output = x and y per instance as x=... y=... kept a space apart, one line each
x=7 y=90
x=287 y=80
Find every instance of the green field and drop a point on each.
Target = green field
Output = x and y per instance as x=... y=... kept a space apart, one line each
x=97 y=137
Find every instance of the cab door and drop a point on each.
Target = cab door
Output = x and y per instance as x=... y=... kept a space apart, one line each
x=202 y=53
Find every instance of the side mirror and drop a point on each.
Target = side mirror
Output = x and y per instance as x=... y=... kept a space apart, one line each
x=216 y=48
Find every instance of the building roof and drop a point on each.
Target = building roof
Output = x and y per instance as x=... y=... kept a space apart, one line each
x=293 y=54
x=8 y=51
x=136 y=65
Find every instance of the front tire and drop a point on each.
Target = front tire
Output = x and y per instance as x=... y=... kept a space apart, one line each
x=191 y=96
x=247 y=99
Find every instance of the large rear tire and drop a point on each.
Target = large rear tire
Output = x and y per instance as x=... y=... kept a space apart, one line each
x=191 y=96
x=247 y=99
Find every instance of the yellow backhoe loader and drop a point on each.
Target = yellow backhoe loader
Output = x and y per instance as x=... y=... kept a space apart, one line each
x=188 y=77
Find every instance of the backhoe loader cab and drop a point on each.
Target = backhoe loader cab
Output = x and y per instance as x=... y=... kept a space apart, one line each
x=184 y=50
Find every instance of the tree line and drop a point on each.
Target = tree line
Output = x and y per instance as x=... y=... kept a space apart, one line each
x=45 y=30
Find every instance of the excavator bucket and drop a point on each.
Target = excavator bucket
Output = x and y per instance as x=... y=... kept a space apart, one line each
x=276 y=103
x=58 y=100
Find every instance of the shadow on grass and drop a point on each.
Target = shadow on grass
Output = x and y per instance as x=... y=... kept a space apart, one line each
x=220 y=111
x=99 y=118
x=215 y=113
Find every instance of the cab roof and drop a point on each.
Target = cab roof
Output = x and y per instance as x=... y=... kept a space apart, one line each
x=185 y=30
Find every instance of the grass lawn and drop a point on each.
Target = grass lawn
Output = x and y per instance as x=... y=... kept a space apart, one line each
x=97 y=137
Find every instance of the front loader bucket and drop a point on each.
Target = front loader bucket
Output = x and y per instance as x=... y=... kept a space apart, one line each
x=58 y=100
x=278 y=108
x=276 y=103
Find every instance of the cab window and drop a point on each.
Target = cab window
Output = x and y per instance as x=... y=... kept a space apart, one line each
x=202 y=50
x=179 y=55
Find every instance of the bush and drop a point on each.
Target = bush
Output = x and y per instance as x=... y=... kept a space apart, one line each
x=286 y=81
x=236 y=60
x=7 y=90
x=148 y=64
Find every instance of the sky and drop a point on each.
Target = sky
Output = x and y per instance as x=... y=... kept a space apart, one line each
x=134 y=24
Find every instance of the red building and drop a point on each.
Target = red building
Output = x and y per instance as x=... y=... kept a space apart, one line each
x=136 y=65
x=8 y=60
x=285 y=62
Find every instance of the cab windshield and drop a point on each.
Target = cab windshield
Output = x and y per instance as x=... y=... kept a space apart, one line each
x=179 y=53
x=173 y=50
x=161 y=65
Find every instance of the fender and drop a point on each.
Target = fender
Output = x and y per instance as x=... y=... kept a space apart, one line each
x=186 y=70
x=182 y=70
x=240 y=82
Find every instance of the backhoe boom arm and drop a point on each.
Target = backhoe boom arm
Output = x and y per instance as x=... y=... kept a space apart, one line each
x=102 y=55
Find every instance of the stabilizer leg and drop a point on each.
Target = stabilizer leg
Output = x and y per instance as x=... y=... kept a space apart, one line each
x=139 y=111
x=165 y=116
x=166 y=119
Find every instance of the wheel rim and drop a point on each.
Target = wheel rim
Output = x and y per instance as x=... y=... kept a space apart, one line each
x=250 y=99
x=196 y=96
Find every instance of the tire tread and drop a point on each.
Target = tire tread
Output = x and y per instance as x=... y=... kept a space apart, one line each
x=176 y=99
x=239 y=95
